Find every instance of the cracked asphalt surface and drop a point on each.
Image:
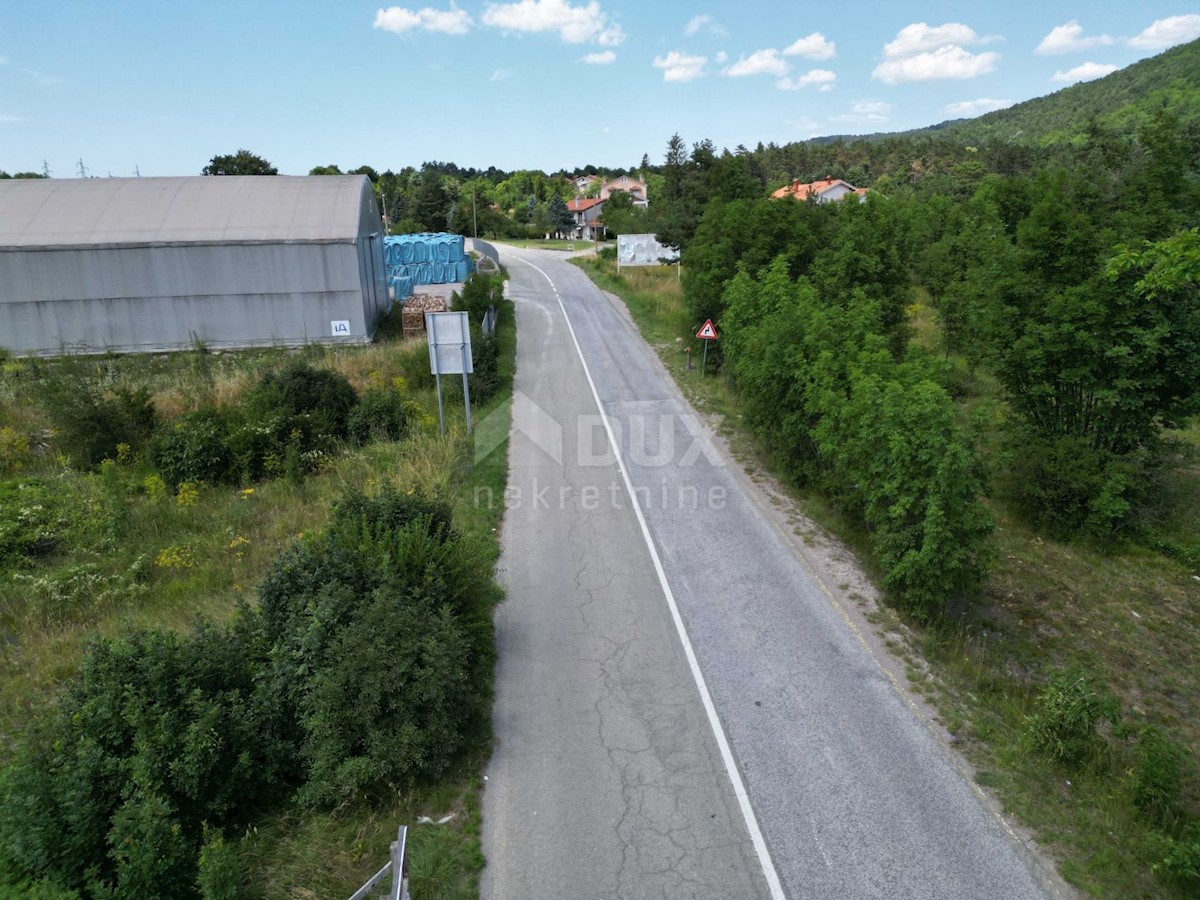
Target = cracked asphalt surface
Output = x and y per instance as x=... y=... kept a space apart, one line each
x=606 y=780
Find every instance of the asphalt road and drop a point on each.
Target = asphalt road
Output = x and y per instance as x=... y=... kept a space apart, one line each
x=680 y=710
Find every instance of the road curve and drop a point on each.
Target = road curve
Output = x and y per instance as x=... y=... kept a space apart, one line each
x=609 y=779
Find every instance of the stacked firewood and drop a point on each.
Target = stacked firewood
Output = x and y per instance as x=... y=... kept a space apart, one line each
x=412 y=319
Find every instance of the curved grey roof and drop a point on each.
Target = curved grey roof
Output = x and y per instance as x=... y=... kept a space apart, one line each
x=106 y=212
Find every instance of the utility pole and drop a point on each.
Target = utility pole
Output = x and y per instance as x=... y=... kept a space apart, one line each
x=82 y=169
x=474 y=216
x=45 y=169
x=137 y=173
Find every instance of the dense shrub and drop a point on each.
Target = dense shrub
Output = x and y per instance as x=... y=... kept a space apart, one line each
x=379 y=414
x=1065 y=486
x=193 y=448
x=300 y=389
x=1063 y=723
x=478 y=293
x=90 y=425
x=381 y=636
x=486 y=365
x=159 y=735
x=391 y=701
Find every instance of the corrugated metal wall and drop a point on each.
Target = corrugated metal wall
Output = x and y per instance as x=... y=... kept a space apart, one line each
x=149 y=298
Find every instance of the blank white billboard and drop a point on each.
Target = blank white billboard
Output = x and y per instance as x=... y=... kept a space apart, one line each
x=643 y=250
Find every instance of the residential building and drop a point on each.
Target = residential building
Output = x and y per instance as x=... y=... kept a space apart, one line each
x=825 y=191
x=587 y=212
x=633 y=186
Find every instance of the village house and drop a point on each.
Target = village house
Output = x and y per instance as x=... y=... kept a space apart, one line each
x=827 y=190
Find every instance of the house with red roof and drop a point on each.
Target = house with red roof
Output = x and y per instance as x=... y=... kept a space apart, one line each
x=587 y=212
x=635 y=187
x=827 y=190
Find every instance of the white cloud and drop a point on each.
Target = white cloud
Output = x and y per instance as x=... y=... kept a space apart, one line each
x=760 y=62
x=599 y=59
x=968 y=108
x=815 y=46
x=922 y=52
x=865 y=112
x=1167 y=33
x=950 y=61
x=574 y=24
x=500 y=75
x=822 y=78
x=4 y=120
x=721 y=58
x=612 y=36
x=921 y=38
x=1069 y=39
x=703 y=22
x=678 y=66
x=399 y=19
x=1088 y=71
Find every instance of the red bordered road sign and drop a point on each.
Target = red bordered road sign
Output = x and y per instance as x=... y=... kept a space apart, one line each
x=707 y=332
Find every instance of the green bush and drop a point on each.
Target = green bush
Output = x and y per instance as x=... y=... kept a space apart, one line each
x=89 y=425
x=1063 y=723
x=486 y=365
x=300 y=389
x=31 y=520
x=479 y=292
x=193 y=448
x=1178 y=857
x=219 y=870
x=368 y=667
x=1067 y=487
x=159 y=734
x=1159 y=769
x=381 y=644
x=392 y=701
x=380 y=414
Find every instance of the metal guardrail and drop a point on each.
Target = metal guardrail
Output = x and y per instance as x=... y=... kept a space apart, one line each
x=397 y=866
x=483 y=247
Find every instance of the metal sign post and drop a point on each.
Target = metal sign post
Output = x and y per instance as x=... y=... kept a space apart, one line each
x=466 y=364
x=437 y=378
x=706 y=333
x=450 y=354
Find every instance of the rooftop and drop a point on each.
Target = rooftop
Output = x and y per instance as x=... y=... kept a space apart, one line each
x=96 y=212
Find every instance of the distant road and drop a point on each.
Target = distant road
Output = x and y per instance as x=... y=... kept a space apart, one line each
x=767 y=757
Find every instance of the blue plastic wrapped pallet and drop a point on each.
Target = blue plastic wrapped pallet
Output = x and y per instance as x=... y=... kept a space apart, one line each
x=427 y=258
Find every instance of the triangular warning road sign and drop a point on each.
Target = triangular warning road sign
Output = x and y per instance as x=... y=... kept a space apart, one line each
x=708 y=332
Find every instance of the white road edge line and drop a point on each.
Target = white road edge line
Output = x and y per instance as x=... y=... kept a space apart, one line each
x=735 y=777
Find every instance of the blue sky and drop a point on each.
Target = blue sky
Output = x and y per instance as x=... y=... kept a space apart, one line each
x=163 y=86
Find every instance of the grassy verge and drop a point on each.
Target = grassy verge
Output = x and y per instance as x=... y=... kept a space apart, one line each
x=139 y=556
x=1127 y=614
x=539 y=244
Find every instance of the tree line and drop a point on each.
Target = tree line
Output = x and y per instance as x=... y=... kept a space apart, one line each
x=1071 y=280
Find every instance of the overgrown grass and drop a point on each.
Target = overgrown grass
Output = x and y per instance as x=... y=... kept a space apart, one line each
x=1128 y=613
x=135 y=557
